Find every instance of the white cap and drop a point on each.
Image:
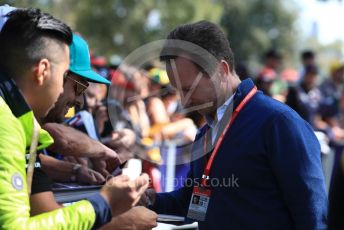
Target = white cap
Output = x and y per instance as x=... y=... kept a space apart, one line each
x=4 y=9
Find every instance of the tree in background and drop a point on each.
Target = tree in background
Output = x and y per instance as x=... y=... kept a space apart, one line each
x=120 y=26
x=255 y=26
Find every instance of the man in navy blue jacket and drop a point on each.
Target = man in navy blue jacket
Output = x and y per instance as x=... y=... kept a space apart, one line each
x=266 y=173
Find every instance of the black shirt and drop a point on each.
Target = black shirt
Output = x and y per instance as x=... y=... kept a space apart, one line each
x=40 y=180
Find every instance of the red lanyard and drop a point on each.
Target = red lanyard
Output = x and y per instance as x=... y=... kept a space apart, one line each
x=209 y=164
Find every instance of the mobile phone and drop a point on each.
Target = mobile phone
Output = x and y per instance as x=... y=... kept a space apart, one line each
x=118 y=170
x=132 y=169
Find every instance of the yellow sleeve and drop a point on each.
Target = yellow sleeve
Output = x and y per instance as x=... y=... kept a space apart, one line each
x=14 y=199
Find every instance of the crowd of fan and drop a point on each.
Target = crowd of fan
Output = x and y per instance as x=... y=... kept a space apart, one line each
x=141 y=101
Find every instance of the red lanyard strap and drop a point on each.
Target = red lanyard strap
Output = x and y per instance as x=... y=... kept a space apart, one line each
x=209 y=164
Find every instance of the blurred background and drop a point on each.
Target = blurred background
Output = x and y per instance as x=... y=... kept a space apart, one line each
x=114 y=28
x=293 y=50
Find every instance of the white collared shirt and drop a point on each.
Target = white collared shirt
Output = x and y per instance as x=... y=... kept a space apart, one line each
x=214 y=124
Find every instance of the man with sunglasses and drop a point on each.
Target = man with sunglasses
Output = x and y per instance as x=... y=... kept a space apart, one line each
x=76 y=80
x=69 y=141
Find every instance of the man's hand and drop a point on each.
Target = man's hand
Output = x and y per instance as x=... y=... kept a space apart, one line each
x=100 y=166
x=76 y=160
x=123 y=143
x=105 y=153
x=89 y=176
x=71 y=142
x=95 y=176
x=147 y=198
x=124 y=138
x=122 y=194
x=338 y=133
x=137 y=218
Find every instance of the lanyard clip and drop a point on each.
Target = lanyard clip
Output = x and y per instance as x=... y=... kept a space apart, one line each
x=205 y=177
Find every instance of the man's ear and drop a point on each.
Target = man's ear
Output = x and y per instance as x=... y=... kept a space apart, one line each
x=225 y=68
x=42 y=71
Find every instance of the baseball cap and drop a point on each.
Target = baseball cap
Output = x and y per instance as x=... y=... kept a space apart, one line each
x=80 y=62
x=336 y=65
x=158 y=76
x=4 y=10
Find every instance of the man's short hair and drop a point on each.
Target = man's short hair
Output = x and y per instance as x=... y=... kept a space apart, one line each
x=307 y=54
x=272 y=54
x=28 y=36
x=204 y=34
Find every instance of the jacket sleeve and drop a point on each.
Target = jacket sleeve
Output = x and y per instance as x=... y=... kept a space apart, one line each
x=294 y=155
x=174 y=203
x=14 y=199
x=177 y=202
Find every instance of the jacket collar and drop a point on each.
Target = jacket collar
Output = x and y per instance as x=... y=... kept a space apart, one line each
x=243 y=89
x=13 y=97
x=22 y=111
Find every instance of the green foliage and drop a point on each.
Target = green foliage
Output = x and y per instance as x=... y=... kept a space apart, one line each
x=120 y=26
x=253 y=26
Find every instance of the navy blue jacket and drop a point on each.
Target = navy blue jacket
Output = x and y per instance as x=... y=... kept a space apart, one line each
x=275 y=157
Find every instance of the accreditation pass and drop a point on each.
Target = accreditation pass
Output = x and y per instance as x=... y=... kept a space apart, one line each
x=199 y=203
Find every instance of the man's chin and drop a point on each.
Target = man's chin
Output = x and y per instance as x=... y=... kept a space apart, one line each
x=60 y=119
x=50 y=109
x=206 y=111
x=57 y=119
x=54 y=116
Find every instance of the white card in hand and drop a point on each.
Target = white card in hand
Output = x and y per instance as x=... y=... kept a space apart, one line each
x=170 y=218
x=133 y=169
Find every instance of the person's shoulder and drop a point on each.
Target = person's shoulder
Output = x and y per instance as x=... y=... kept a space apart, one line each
x=273 y=107
x=286 y=122
x=6 y=114
x=276 y=113
x=326 y=86
x=293 y=89
x=10 y=126
x=7 y=118
x=281 y=113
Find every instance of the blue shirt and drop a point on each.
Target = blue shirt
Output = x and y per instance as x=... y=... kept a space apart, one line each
x=272 y=159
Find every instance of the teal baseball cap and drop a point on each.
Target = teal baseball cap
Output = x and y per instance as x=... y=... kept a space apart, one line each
x=80 y=63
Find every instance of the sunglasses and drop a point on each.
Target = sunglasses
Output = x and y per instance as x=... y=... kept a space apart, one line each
x=80 y=87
